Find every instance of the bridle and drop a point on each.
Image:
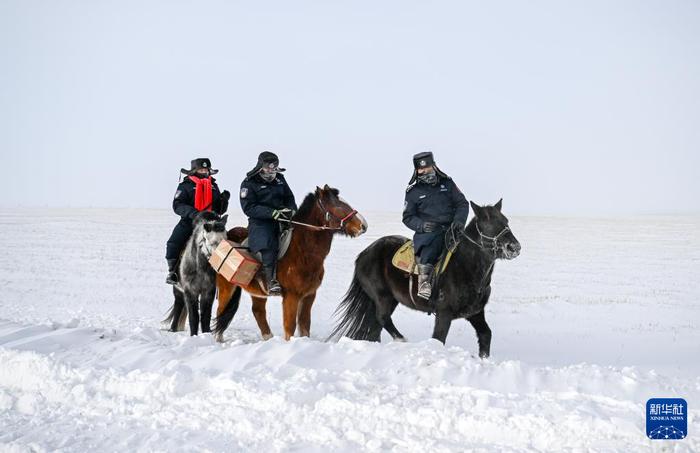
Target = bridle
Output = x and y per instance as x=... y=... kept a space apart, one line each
x=204 y=245
x=328 y=214
x=493 y=239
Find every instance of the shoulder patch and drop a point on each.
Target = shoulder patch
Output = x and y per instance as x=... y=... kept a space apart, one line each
x=244 y=192
x=410 y=186
x=177 y=194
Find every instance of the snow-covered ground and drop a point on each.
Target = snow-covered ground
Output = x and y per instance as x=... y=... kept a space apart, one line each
x=595 y=317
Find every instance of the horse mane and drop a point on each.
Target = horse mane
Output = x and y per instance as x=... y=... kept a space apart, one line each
x=308 y=205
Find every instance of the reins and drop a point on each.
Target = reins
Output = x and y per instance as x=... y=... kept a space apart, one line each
x=328 y=215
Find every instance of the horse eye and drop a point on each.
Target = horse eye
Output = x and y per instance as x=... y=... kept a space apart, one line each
x=207 y=227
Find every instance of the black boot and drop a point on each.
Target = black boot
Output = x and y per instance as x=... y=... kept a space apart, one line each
x=172 y=278
x=425 y=274
x=273 y=286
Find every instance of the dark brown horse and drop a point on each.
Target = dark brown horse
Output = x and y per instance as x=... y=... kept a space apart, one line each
x=321 y=215
x=465 y=286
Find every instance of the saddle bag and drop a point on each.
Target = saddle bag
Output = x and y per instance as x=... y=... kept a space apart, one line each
x=234 y=263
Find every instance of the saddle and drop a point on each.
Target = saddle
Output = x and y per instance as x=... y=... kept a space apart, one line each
x=405 y=259
x=240 y=235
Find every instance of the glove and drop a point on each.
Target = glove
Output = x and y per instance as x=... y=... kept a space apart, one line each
x=225 y=195
x=457 y=226
x=429 y=227
x=282 y=214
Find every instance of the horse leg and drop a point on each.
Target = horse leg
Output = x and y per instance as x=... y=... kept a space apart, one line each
x=192 y=311
x=391 y=328
x=483 y=333
x=261 y=316
x=205 y=305
x=305 y=314
x=443 y=320
x=178 y=305
x=385 y=307
x=290 y=310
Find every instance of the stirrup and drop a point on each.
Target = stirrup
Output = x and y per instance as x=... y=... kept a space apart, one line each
x=274 y=288
x=425 y=290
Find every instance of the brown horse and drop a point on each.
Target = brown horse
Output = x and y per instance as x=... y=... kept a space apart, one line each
x=321 y=215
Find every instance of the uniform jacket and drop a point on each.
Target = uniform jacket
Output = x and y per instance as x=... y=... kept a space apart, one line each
x=183 y=203
x=259 y=199
x=442 y=203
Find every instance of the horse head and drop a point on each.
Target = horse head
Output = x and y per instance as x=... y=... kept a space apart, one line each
x=209 y=231
x=494 y=232
x=336 y=213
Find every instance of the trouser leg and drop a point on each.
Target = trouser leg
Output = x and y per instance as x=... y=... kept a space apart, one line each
x=431 y=251
x=176 y=243
x=178 y=238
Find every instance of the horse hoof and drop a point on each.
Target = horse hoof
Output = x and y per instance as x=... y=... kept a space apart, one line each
x=400 y=340
x=219 y=337
x=267 y=336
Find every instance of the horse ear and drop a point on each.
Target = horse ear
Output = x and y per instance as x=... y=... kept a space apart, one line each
x=476 y=208
x=318 y=189
x=499 y=205
x=224 y=219
x=326 y=188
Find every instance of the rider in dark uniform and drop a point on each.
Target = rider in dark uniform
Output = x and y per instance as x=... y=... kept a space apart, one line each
x=197 y=192
x=267 y=200
x=433 y=204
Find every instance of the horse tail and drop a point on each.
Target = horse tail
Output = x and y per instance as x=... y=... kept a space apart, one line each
x=176 y=312
x=169 y=316
x=357 y=312
x=224 y=317
x=181 y=317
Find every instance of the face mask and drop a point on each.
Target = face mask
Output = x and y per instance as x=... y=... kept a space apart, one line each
x=268 y=177
x=428 y=178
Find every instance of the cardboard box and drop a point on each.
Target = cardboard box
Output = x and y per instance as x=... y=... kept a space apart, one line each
x=236 y=265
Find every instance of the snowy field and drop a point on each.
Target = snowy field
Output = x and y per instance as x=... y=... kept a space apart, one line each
x=595 y=317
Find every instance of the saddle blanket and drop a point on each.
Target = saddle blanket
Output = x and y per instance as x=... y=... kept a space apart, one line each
x=405 y=259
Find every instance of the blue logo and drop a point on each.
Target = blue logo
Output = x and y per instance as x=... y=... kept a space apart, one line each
x=667 y=418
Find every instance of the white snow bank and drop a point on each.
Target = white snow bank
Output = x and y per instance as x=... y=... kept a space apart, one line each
x=169 y=391
x=594 y=318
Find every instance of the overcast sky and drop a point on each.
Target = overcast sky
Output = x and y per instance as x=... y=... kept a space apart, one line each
x=559 y=107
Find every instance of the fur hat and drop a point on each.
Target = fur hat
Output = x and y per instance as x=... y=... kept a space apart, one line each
x=196 y=164
x=425 y=160
x=268 y=160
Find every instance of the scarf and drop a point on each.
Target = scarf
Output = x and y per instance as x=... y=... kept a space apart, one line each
x=202 y=193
